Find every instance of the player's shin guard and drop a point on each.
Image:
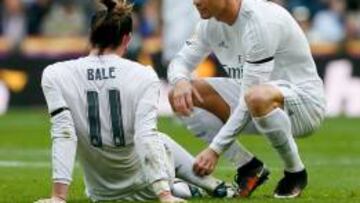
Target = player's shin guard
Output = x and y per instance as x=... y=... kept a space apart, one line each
x=277 y=127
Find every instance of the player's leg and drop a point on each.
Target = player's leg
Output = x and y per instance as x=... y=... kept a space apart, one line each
x=306 y=111
x=206 y=124
x=183 y=165
x=266 y=105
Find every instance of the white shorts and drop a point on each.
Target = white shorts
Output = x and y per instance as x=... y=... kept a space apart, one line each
x=108 y=178
x=306 y=112
x=131 y=185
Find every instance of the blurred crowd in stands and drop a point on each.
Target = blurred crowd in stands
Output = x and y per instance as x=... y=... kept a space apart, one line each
x=52 y=29
x=329 y=21
x=162 y=26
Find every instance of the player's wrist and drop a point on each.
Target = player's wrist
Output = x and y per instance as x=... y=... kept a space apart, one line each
x=58 y=199
x=183 y=86
x=164 y=194
x=60 y=191
x=161 y=187
x=216 y=149
x=180 y=80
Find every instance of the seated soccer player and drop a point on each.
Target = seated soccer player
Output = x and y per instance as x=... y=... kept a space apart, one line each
x=104 y=108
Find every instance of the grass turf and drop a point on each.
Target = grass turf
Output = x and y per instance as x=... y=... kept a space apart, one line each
x=332 y=157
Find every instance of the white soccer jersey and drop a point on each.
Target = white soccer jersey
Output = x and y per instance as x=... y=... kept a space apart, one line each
x=108 y=107
x=264 y=44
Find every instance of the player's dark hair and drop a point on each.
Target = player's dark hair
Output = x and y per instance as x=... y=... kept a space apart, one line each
x=111 y=22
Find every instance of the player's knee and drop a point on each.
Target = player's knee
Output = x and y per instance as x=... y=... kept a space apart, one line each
x=258 y=100
x=256 y=97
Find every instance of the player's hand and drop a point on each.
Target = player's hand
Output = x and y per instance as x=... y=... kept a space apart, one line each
x=205 y=162
x=51 y=200
x=167 y=197
x=182 y=99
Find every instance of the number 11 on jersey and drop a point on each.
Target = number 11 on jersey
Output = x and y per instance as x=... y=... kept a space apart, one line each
x=115 y=114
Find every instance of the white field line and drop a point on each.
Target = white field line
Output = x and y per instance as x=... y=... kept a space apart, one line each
x=23 y=164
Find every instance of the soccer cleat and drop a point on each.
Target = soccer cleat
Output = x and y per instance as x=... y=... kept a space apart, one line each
x=223 y=191
x=291 y=185
x=195 y=191
x=251 y=176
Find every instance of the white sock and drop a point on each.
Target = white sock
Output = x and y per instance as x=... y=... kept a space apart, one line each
x=181 y=189
x=277 y=127
x=206 y=125
x=183 y=162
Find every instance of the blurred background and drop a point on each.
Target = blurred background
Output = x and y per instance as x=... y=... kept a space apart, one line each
x=35 y=33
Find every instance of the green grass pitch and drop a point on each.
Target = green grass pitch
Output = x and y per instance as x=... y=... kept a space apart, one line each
x=332 y=156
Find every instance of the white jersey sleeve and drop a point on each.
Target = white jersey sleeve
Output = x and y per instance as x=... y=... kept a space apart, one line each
x=192 y=53
x=259 y=51
x=63 y=135
x=228 y=133
x=148 y=144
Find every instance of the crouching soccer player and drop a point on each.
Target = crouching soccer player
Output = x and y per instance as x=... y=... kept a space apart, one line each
x=273 y=89
x=105 y=108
